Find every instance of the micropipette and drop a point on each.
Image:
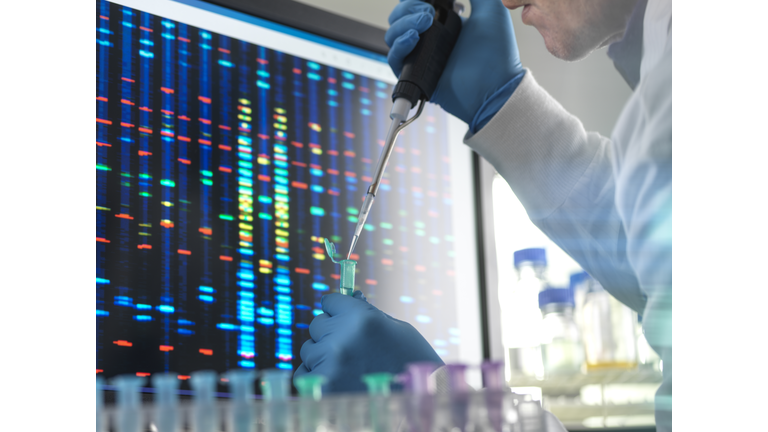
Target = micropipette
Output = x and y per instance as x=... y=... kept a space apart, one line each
x=422 y=69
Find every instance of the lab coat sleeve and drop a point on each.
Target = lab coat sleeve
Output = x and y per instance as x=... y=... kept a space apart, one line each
x=564 y=178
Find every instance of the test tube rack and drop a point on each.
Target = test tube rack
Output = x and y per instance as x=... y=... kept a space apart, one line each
x=486 y=410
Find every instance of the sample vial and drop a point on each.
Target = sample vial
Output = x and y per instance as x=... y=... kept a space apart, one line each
x=129 y=415
x=275 y=384
x=378 y=383
x=206 y=414
x=347 y=279
x=310 y=386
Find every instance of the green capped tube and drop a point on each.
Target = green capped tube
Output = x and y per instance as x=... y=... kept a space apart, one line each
x=310 y=389
x=347 y=279
x=378 y=383
x=310 y=386
x=378 y=391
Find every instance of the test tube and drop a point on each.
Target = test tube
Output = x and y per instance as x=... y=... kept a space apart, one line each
x=275 y=384
x=241 y=389
x=378 y=383
x=493 y=374
x=205 y=414
x=419 y=376
x=531 y=415
x=310 y=389
x=495 y=389
x=378 y=390
x=347 y=279
x=421 y=409
x=310 y=386
x=458 y=398
x=457 y=382
x=275 y=388
x=404 y=379
x=167 y=401
x=128 y=402
x=99 y=402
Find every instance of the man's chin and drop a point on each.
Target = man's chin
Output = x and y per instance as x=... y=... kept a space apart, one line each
x=567 y=51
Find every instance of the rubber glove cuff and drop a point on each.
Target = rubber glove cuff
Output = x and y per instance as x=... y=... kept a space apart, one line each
x=494 y=102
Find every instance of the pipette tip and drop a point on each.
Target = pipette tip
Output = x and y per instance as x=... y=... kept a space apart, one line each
x=352 y=247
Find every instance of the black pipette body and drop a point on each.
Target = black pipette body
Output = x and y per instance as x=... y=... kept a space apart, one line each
x=422 y=69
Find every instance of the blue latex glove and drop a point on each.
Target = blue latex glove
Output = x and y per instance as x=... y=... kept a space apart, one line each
x=484 y=68
x=353 y=337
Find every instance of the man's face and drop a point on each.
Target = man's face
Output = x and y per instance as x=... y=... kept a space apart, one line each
x=574 y=28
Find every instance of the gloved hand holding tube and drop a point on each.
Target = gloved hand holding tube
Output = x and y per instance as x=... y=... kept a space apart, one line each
x=353 y=338
x=484 y=67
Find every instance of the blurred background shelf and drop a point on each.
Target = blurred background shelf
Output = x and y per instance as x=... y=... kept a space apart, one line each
x=602 y=399
x=570 y=384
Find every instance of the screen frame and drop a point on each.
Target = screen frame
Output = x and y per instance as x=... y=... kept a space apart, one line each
x=313 y=20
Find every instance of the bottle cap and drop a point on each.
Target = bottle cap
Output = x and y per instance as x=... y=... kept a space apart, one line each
x=578 y=278
x=534 y=255
x=555 y=295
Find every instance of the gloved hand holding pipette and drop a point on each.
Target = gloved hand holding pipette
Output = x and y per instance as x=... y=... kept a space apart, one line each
x=352 y=338
x=484 y=67
x=443 y=69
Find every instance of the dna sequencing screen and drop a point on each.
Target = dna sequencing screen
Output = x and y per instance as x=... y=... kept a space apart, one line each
x=221 y=166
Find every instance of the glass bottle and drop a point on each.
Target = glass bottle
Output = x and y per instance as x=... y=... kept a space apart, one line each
x=578 y=286
x=609 y=330
x=520 y=315
x=561 y=349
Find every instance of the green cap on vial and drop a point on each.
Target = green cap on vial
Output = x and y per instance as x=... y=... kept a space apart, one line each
x=310 y=386
x=378 y=383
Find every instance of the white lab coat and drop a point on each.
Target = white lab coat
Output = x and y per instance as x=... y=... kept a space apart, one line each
x=606 y=202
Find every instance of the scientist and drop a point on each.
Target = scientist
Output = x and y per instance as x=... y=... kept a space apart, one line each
x=606 y=201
